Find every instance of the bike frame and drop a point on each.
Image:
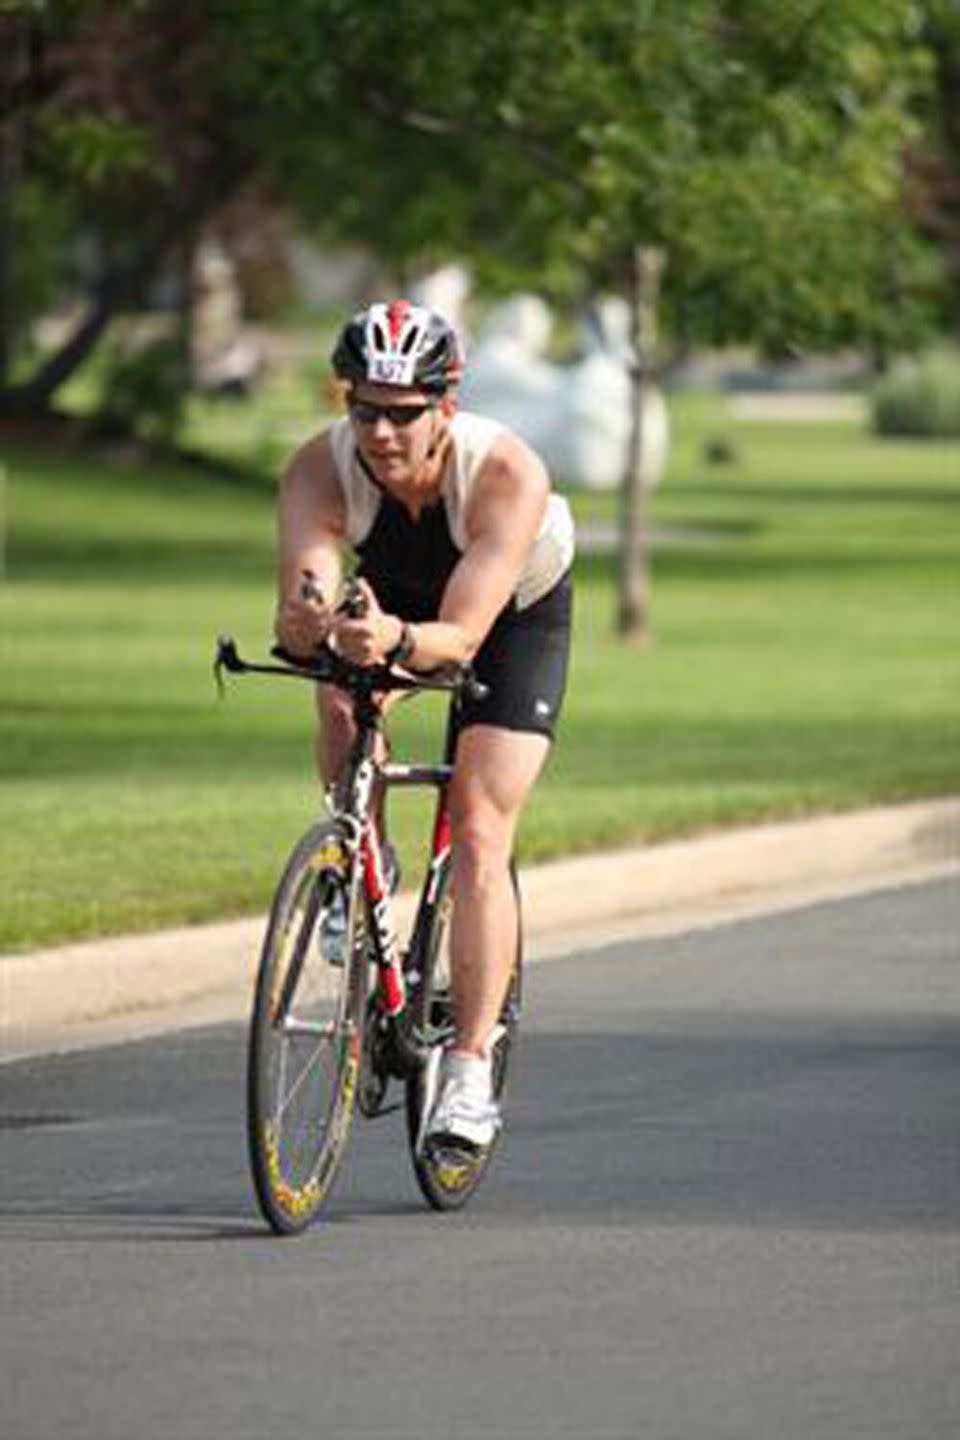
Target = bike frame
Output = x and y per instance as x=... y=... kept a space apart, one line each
x=361 y=837
x=352 y=808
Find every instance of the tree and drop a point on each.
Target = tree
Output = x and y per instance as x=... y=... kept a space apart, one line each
x=756 y=145
x=114 y=116
x=933 y=161
x=127 y=124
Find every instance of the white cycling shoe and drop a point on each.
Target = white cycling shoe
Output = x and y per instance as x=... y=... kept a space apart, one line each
x=466 y=1113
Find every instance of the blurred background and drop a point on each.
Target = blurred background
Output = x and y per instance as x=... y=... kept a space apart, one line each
x=705 y=257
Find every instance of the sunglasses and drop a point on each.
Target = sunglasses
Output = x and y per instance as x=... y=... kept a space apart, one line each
x=366 y=413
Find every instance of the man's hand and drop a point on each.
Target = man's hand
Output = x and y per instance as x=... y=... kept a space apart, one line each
x=304 y=620
x=366 y=639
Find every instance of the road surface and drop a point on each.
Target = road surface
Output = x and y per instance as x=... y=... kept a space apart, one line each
x=727 y=1205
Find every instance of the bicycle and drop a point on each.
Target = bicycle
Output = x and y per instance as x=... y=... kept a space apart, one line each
x=325 y=1036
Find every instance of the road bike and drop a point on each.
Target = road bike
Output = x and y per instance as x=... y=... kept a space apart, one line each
x=329 y=1029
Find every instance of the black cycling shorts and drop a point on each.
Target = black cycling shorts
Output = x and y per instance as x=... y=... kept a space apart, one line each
x=523 y=663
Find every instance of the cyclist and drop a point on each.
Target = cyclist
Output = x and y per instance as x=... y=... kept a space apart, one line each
x=464 y=555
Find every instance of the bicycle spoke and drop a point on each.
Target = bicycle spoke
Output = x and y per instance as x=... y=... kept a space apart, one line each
x=322 y=1030
x=284 y=1101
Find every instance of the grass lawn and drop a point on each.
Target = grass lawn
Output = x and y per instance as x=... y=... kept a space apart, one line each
x=805 y=658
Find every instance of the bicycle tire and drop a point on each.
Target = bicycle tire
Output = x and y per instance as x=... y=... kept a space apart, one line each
x=446 y=1185
x=305 y=1038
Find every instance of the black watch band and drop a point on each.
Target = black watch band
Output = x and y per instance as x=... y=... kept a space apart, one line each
x=400 y=653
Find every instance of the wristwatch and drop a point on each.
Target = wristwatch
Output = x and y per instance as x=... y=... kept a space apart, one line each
x=400 y=653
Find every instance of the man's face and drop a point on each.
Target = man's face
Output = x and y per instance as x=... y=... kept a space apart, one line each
x=397 y=428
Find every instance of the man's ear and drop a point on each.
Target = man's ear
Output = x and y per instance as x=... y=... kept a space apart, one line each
x=338 y=393
x=448 y=404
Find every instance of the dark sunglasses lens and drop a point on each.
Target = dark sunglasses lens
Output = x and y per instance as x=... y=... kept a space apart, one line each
x=404 y=414
x=401 y=415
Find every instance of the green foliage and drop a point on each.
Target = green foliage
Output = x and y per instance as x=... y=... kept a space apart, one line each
x=920 y=397
x=759 y=144
x=95 y=151
x=113 y=122
x=143 y=390
x=42 y=222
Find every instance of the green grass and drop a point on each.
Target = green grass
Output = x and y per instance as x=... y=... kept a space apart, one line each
x=804 y=658
x=260 y=434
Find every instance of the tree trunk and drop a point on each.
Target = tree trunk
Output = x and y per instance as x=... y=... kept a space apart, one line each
x=943 y=38
x=11 y=161
x=633 y=618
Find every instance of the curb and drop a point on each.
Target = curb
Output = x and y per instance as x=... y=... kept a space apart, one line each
x=130 y=986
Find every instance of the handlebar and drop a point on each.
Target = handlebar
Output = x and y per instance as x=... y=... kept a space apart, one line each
x=325 y=666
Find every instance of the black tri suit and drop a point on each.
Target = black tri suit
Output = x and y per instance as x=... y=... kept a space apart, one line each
x=523 y=660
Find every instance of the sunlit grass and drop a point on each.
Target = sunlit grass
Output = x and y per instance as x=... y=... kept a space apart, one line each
x=803 y=658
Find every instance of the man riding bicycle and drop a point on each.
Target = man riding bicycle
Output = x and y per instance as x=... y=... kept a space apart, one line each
x=464 y=555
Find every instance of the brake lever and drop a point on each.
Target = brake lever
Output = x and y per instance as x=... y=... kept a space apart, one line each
x=226 y=659
x=354 y=602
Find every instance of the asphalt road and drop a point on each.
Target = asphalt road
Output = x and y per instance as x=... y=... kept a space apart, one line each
x=727 y=1205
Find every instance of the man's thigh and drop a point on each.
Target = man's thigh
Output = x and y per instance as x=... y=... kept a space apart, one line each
x=495 y=769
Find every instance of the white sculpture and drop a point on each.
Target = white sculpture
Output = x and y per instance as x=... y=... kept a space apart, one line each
x=445 y=290
x=506 y=376
x=576 y=415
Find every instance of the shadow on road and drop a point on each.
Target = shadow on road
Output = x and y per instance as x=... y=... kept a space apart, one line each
x=690 y=1120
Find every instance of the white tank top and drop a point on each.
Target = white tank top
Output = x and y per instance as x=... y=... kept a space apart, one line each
x=473 y=435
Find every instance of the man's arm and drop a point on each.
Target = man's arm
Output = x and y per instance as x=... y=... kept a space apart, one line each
x=503 y=519
x=311 y=526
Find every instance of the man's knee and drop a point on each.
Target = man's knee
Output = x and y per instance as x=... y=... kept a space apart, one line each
x=481 y=841
x=334 y=707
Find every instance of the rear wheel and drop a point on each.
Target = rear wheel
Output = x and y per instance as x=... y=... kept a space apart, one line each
x=305 y=1033
x=447 y=1178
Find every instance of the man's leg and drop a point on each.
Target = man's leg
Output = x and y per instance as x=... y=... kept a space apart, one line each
x=335 y=731
x=494 y=772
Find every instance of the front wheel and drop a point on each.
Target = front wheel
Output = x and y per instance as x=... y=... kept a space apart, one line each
x=306 y=1032
x=448 y=1180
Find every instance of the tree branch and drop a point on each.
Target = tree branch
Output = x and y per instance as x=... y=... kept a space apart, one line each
x=465 y=128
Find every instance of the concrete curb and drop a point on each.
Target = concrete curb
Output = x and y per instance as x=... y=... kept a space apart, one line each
x=122 y=988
